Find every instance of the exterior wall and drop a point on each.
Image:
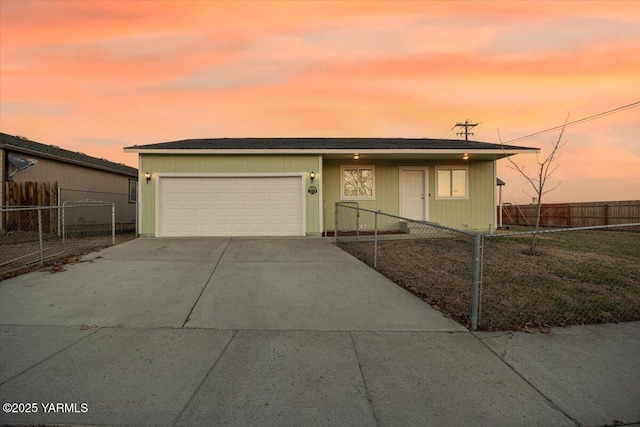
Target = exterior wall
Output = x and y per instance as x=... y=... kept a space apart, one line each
x=73 y=176
x=187 y=163
x=2 y=178
x=77 y=177
x=477 y=212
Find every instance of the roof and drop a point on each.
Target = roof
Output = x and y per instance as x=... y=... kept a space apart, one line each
x=325 y=144
x=26 y=146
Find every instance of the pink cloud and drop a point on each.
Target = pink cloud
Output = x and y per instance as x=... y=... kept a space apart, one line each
x=142 y=72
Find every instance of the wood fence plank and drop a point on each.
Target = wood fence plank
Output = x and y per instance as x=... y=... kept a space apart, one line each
x=574 y=214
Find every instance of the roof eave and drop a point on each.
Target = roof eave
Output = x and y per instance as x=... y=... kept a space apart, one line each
x=276 y=151
x=5 y=146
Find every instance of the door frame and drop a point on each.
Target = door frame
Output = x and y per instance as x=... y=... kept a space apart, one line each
x=425 y=171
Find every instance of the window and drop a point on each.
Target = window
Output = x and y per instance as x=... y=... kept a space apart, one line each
x=133 y=191
x=452 y=182
x=357 y=183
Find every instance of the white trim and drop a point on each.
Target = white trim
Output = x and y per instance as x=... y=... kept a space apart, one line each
x=425 y=171
x=451 y=167
x=226 y=174
x=157 y=231
x=315 y=151
x=160 y=175
x=320 y=179
x=373 y=182
x=139 y=207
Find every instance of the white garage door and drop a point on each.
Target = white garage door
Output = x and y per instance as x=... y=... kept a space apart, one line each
x=231 y=206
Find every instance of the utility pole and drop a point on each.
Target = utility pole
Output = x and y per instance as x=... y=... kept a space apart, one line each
x=466 y=125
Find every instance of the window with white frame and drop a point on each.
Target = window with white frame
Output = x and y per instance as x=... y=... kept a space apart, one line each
x=452 y=182
x=357 y=182
x=133 y=191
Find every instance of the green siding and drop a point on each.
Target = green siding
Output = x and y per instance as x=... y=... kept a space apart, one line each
x=204 y=163
x=477 y=212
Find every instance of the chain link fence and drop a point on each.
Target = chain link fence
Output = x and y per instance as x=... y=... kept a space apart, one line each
x=124 y=204
x=38 y=236
x=494 y=281
x=430 y=260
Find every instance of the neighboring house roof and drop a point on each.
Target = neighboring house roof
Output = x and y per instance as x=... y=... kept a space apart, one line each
x=325 y=144
x=499 y=181
x=53 y=152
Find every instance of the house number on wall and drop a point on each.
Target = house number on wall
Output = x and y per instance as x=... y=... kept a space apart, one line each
x=312 y=190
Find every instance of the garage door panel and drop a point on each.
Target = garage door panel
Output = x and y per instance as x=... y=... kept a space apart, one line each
x=231 y=206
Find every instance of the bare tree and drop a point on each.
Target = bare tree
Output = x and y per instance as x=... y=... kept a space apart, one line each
x=539 y=180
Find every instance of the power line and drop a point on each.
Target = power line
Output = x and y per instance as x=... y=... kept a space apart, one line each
x=448 y=132
x=577 y=122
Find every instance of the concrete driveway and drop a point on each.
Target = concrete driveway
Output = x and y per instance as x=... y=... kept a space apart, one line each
x=240 y=283
x=291 y=331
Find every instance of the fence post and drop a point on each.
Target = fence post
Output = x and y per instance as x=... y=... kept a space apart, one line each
x=122 y=202
x=375 y=240
x=475 y=280
x=324 y=218
x=357 y=223
x=59 y=218
x=113 y=224
x=335 y=225
x=40 y=235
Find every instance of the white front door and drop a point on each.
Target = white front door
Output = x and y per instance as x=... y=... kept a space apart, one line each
x=414 y=195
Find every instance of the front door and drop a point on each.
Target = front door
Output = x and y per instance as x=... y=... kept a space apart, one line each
x=413 y=193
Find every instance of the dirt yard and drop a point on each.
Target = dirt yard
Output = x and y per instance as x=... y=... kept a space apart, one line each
x=578 y=277
x=20 y=251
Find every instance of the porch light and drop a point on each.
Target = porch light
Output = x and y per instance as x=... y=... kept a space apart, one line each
x=312 y=175
x=147 y=176
x=356 y=156
x=465 y=156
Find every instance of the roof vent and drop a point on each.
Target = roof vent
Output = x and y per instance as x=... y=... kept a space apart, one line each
x=22 y=137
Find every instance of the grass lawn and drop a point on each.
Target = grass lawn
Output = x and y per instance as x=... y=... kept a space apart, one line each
x=578 y=277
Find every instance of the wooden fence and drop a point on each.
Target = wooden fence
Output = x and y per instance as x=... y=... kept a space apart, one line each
x=30 y=194
x=19 y=194
x=573 y=214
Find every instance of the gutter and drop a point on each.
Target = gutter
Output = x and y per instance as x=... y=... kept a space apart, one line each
x=312 y=151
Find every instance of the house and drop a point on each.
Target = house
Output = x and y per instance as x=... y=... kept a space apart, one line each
x=288 y=186
x=79 y=176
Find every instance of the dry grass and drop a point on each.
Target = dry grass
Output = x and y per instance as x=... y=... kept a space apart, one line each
x=579 y=277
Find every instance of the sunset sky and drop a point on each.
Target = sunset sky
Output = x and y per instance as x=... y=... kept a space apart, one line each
x=96 y=76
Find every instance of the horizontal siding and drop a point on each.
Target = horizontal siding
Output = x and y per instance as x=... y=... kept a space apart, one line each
x=477 y=212
x=94 y=184
x=158 y=163
x=73 y=176
x=2 y=197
